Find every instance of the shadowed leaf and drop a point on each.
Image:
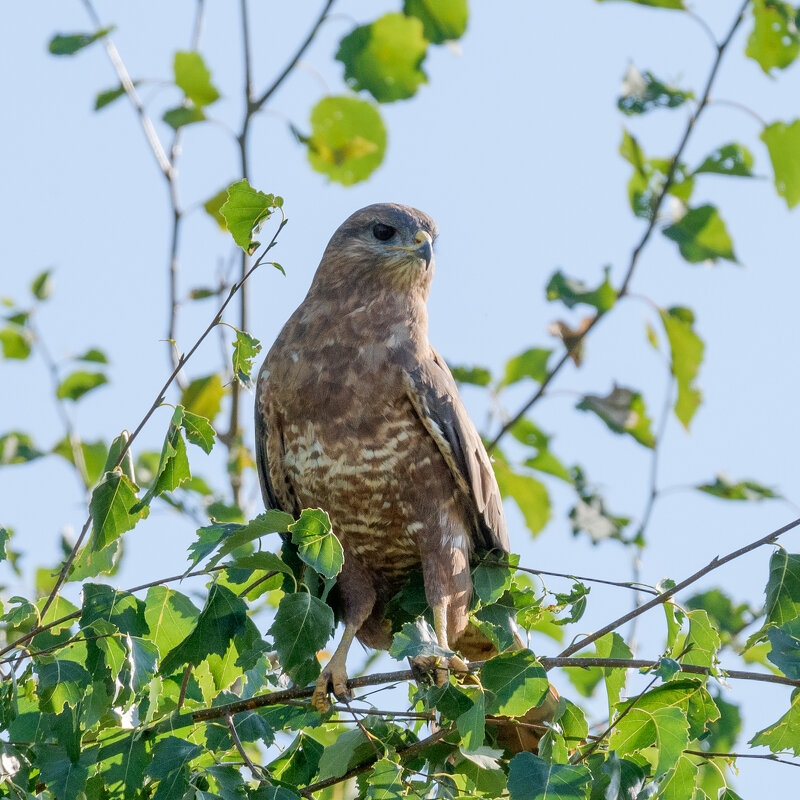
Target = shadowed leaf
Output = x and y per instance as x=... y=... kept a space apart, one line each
x=643 y=92
x=110 y=508
x=623 y=411
x=442 y=21
x=701 y=236
x=532 y=778
x=69 y=44
x=730 y=159
x=76 y=385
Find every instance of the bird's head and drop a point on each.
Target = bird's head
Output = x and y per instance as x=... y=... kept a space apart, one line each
x=382 y=246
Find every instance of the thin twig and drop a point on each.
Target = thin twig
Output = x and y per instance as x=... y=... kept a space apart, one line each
x=156 y=404
x=130 y=90
x=270 y=90
x=715 y=563
x=255 y=770
x=637 y=250
x=765 y=756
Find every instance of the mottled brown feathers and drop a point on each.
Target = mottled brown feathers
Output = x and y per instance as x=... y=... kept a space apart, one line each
x=356 y=413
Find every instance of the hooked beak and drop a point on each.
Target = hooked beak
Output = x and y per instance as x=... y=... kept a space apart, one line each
x=422 y=249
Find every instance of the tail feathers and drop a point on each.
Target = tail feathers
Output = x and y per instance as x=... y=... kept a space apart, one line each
x=515 y=734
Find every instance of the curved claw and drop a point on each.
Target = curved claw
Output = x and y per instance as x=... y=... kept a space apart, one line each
x=332 y=679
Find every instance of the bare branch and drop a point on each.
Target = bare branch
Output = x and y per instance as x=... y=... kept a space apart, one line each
x=255 y=770
x=634 y=259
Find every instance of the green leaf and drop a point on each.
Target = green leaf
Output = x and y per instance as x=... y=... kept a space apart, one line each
x=476 y=376
x=686 y=349
x=785 y=653
x=110 y=508
x=170 y=754
x=702 y=640
x=245 y=211
x=785 y=733
x=526 y=432
x=337 y=757
x=530 y=364
x=665 y=729
x=171 y=617
x=417 y=639
x=532 y=778
x=317 y=545
x=774 y=41
x=680 y=783
x=348 y=139
x=198 y=430
x=192 y=75
x=747 y=490
x=612 y=645
x=108 y=96
x=783 y=143
x=245 y=349
x=571 y=291
x=527 y=492
x=385 y=781
x=203 y=396
x=302 y=626
x=701 y=236
x=643 y=92
x=124 y=773
x=42 y=285
x=443 y=21
x=234 y=536
x=222 y=619
x=730 y=159
x=65 y=778
x=15 y=343
x=471 y=723
x=623 y=411
x=491 y=577
x=17 y=448
x=94 y=355
x=649 y=177
x=213 y=206
x=517 y=682
x=385 y=58
x=783 y=587
x=183 y=115
x=93 y=455
x=173 y=464
x=69 y=44
x=76 y=385
x=60 y=681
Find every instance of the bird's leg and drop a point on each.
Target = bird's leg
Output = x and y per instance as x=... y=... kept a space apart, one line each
x=334 y=677
x=440 y=627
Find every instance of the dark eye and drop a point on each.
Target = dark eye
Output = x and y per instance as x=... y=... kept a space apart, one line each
x=383 y=232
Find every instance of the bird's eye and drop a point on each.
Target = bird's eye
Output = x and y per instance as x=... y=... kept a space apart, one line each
x=383 y=232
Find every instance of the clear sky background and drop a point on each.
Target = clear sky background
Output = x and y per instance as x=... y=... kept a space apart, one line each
x=513 y=148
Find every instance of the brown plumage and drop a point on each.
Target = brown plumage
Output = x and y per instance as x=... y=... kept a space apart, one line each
x=356 y=413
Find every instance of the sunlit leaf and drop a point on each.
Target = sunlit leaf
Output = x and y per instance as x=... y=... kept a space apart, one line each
x=92 y=454
x=203 y=396
x=774 y=41
x=417 y=639
x=385 y=58
x=317 y=544
x=517 y=683
x=527 y=492
x=783 y=143
x=701 y=236
x=442 y=21
x=686 y=350
x=386 y=781
x=76 y=385
x=245 y=211
x=529 y=434
x=192 y=75
x=785 y=733
x=665 y=729
x=245 y=349
x=15 y=342
x=783 y=587
x=477 y=376
x=170 y=615
x=213 y=206
x=612 y=645
x=110 y=508
x=198 y=430
x=530 y=364
x=623 y=411
x=42 y=285
x=348 y=139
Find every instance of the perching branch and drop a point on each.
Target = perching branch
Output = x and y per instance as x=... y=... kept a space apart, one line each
x=637 y=250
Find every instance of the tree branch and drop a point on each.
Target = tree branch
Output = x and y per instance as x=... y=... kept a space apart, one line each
x=637 y=250
x=715 y=563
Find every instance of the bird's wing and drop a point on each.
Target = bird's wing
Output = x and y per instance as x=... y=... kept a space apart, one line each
x=434 y=396
x=268 y=442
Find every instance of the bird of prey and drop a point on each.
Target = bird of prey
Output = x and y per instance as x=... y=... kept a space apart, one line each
x=356 y=413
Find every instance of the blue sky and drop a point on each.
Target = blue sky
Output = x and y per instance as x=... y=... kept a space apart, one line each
x=512 y=148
